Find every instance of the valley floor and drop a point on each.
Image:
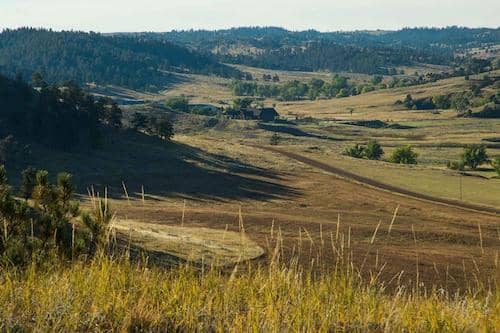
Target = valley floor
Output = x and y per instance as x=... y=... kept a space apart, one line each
x=432 y=243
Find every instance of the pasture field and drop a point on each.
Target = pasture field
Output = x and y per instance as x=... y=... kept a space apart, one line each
x=378 y=104
x=210 y=172
x=209 y=177
x=256 y=240
x=139 y=193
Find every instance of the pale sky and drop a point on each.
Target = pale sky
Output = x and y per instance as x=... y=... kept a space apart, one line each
x=323 y=15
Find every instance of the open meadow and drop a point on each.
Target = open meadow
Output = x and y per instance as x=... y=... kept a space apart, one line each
x=250 y=180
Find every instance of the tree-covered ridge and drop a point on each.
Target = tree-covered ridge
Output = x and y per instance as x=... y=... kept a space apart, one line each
x=372 y=52
x=331 y=56
x=273 y=37
x=90 y=57
x=59 y=117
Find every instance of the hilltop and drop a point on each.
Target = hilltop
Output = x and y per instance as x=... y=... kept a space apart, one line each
x=93 y=57
x=356 y=51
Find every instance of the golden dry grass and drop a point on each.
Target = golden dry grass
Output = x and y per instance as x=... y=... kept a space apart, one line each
x=115 y=295
x=198 y=245
x=378 y=104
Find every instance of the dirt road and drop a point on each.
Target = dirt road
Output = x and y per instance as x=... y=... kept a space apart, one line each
x=384 y=186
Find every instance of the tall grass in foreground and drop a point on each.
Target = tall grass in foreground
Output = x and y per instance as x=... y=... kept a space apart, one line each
x=115 y=294
x=112 y=293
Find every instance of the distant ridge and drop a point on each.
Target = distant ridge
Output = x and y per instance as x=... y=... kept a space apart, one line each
x=91 y=57
x=370 y=52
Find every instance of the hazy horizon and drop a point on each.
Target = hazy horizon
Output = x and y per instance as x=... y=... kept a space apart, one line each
x=322 y=15
x=240 y=27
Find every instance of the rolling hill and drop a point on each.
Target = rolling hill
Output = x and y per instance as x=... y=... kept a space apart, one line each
x=370 y=52
x=91 y=57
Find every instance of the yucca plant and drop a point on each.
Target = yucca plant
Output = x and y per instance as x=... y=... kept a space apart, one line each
x=98 y=222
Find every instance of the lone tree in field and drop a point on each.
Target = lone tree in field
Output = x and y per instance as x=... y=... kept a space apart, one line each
x=163 y=127
x=275 y=140
x=408 y=102
x=461 y=103
x=495 y=163
x=373 y=150
x=139 y=121
x=404 y=155
x=474 y=156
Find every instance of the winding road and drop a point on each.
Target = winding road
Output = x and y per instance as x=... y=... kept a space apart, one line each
x=383 y=186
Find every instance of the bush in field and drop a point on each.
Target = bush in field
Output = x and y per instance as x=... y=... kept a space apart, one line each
x=408 y=102
x=180 y=103
x=357 y=151
x=474 y=156
x=373 y=150
x=442 y=102
x=275 y=140
x=495 y=163
x=377 y=79
x=454 y=165
x=404 y=155
x=461 y=103
x=343 y=93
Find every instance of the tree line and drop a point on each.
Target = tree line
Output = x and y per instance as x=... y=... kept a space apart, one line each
x=462 y=102
x=57 y=116
x=452 y=38
x=91 y=57
x=338 y=86
x=359 y=51
x=62 y=117
x=472 y=157
x=326 y=55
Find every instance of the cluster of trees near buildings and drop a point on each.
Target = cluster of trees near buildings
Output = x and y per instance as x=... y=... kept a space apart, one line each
x=294 y=90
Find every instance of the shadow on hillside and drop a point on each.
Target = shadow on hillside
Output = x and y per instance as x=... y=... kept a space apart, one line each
x=164 y=169
x=295 y=132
